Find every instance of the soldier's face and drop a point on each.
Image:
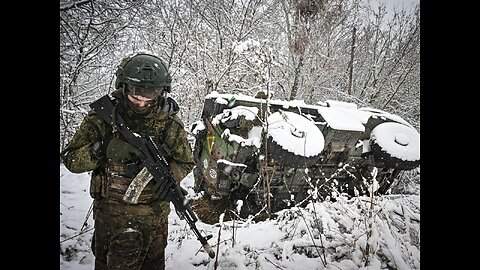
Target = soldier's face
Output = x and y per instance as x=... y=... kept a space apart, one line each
x=141 y=101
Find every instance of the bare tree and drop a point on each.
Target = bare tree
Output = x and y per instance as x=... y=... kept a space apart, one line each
x=88 y=33
x=298 y=49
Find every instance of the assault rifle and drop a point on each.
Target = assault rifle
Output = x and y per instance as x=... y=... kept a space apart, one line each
x=153 y=159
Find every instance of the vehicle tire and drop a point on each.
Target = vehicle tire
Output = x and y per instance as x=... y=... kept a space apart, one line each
x=293 y=140
x=396 y=145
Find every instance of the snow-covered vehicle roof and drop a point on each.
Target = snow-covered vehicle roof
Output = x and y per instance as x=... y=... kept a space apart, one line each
x=331 y=147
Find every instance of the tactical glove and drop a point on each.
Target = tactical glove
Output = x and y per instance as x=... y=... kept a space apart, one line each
x=166 y=191
x=120 y=151
x=99 y=149
x=185 y=193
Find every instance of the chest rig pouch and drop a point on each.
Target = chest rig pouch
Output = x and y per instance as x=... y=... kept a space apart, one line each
x=119 y=179
x=128 y=181
x=123 y=164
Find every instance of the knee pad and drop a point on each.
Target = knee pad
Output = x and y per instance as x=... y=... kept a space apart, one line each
x=125 y=250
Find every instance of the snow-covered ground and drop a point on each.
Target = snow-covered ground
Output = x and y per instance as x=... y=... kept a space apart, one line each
x=359 y=233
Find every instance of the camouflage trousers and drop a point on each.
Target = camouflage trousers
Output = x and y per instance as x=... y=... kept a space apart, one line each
x=130 y=237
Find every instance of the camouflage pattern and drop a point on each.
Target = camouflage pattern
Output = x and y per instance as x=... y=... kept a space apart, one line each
x=128 y=236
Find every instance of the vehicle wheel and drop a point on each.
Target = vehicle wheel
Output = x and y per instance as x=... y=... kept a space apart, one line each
x=293 y=140
x=396 y=145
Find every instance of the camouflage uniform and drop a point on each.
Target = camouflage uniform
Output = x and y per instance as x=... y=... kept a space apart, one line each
x=128 y=236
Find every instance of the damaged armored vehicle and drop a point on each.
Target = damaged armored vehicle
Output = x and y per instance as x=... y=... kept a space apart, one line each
x=258 y=154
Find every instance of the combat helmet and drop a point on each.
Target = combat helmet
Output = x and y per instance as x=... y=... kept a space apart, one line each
x=147 y=74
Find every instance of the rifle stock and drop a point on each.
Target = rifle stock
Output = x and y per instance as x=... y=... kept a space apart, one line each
x=154 y=159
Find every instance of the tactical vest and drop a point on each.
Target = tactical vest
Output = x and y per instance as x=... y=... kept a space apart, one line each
x=120 y=176
x=112 y=178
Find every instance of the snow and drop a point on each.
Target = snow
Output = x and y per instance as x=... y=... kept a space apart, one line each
x=230 y=165
x=398 y=140
x=255 y=136
x=402 y=141
x=343 y=104
x=324 y=235
x=295 y=133
x=246 y=45
x=341 y=118
x=250 y=113
x=284 y=103
x=371 y=112
x=197 y=127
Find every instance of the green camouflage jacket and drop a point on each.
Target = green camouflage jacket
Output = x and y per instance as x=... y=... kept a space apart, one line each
x=162 y=123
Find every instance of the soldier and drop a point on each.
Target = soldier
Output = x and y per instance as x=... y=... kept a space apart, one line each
x=130 y=236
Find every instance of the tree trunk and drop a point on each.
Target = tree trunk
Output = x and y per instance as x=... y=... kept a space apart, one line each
x=293 y=93
x=350 y=65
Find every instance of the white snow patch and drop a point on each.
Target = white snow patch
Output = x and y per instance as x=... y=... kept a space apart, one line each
x=295 y=133
x=398 y=140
